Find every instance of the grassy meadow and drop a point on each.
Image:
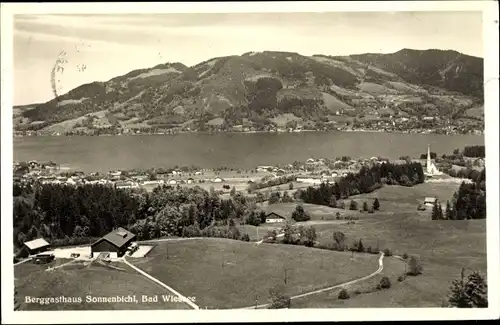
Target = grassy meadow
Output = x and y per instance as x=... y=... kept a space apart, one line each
x=224 y=274
x=78 y=280
x=444 y=246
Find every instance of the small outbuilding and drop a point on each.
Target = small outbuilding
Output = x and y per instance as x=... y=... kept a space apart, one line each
x=115 y=243
x=36 y=246
x=430 y=201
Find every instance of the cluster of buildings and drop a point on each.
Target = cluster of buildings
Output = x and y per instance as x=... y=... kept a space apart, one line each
x=113 y=245
x=46 y=173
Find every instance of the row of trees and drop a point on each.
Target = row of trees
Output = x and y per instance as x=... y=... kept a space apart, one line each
x=365 y=181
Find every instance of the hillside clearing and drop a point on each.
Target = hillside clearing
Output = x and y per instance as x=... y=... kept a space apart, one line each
x=95 y=281
x=243 y=272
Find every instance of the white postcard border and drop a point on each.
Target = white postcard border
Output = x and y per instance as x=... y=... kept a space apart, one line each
x=490 y=25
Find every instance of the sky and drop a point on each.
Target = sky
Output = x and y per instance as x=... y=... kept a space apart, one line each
x=100 y=47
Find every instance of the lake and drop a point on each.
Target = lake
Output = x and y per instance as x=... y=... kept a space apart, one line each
x=236 y=150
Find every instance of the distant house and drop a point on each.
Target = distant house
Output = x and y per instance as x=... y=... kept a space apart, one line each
x=217 y=180
x=190 y=181
x=273 y=217
x=430 y=201
x=309 y=179
x=172 y=182
x=70 y=181
x=36 y=246
x=114 y=243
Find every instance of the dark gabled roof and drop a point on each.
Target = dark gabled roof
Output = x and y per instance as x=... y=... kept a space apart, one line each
x=118 y=237
x=276 y=214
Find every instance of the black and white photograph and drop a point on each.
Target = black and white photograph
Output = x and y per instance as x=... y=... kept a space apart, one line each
x=250 y=161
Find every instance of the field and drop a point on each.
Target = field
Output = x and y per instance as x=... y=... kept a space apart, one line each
x=78 y=280
x=444 y=246
x=223 y=273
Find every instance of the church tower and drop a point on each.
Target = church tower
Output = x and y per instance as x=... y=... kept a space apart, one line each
x=429 y=162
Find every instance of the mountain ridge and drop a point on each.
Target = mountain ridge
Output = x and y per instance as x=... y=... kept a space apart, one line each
x=268 y=88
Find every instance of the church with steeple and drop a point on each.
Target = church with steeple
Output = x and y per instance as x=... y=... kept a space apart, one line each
x=431 y=169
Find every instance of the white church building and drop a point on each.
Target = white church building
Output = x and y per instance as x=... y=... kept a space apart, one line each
x=431 y=169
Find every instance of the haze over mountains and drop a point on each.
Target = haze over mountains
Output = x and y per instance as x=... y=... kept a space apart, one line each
x=259 y=88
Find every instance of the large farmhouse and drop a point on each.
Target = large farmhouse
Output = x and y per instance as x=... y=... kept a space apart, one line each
x=115 y=243
x=273 y=217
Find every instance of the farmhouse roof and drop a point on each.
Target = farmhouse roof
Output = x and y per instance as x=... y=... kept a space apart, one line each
x=118 y=237
x=276 y=214
x=36 y=243
x=430 y=199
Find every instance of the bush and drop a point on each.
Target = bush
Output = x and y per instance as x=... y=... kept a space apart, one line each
x=343 y=294
x=353 y=205
x=387 y=252
x=365 y=206
x=245 y=237
x=369 y=249
x=405 y=256
x=385 y=283
x=357 y=292
x=401 y=278
x=278 y=298
x=370 y=210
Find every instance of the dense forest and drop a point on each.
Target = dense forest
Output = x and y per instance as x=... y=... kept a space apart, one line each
x=469 y=202
x=365 y=181
x=67 y=215
x=475 y=151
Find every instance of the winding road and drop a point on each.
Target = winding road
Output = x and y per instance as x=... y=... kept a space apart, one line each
x=380 y=269
x=194 y=306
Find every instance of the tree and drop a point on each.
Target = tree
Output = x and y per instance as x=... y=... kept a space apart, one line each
x=385 y=283
x=333 y=202
x=339 y=238
x=365 y=206
x=437 y=213
x=360 y=247
x=290 y=186
x=274 y=198
x=233 y=191
x=278 y=298
x=414 y=266
x=262 y=216
x=253 y=219
x=470 y=292
x=448 y=212
x=299 y=214
x=310 y=237
x=376 y=204
x=286 y=198
x=289 y=235
x=353 y=205
x=343 y=294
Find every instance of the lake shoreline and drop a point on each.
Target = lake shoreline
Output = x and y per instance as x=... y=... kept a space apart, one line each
x=240 y=151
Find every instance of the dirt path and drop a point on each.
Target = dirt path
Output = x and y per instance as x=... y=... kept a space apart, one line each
x=184 y=299
x=56 y=267
x=23 y=261
x=380 y=269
